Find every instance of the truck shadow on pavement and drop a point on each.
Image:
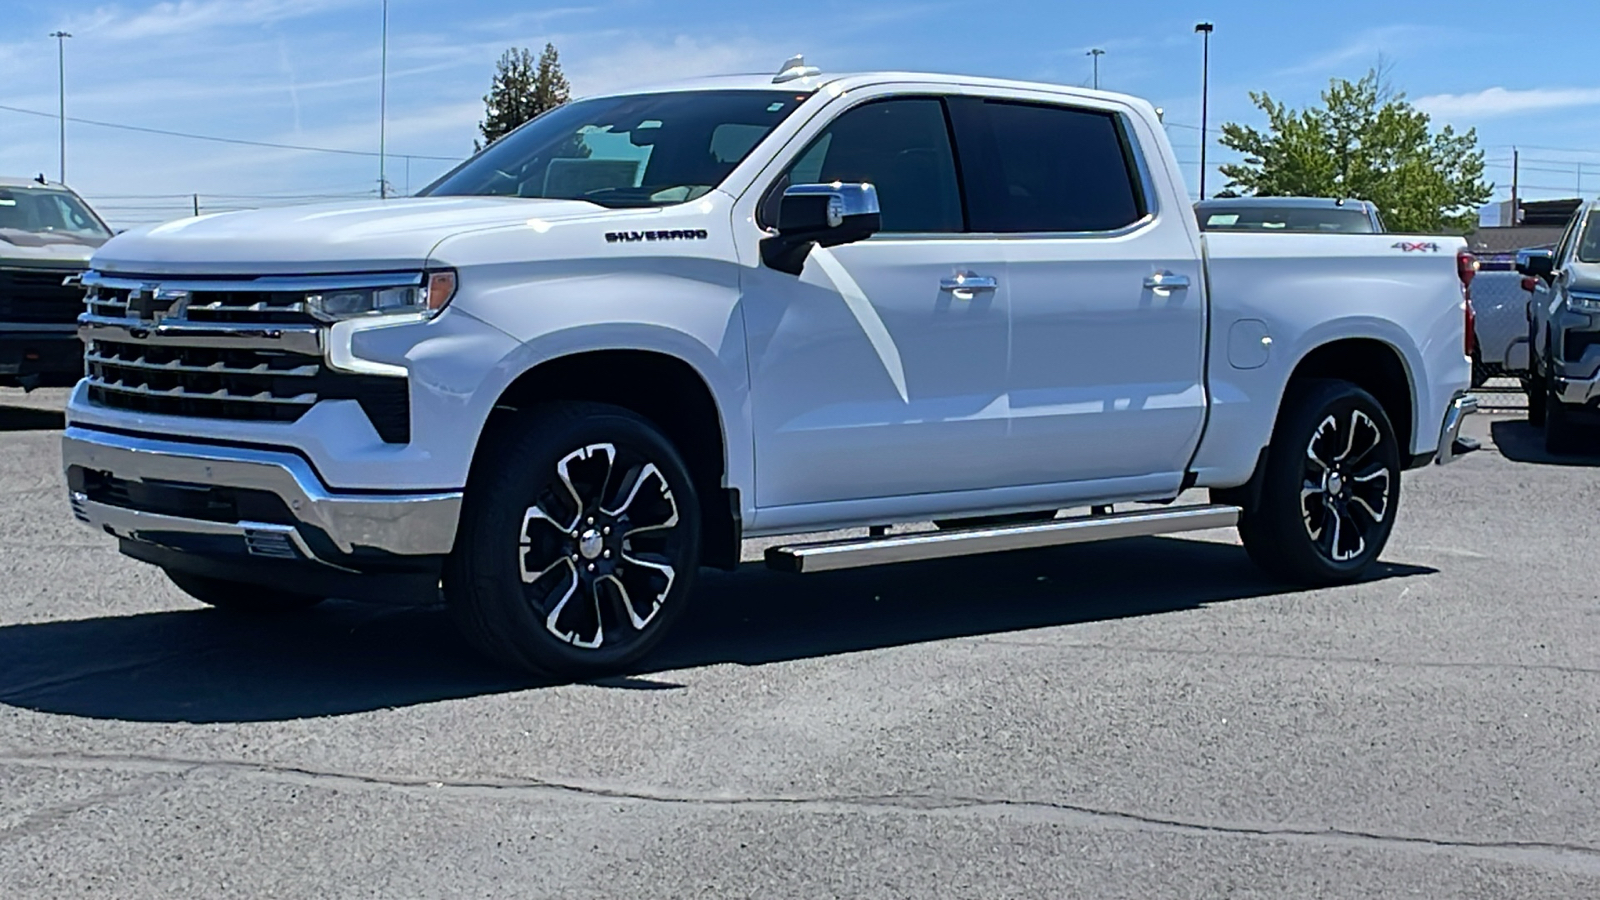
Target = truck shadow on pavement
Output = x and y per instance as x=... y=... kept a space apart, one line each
x=27 y=418
x=203 y=666
x=1520 y=442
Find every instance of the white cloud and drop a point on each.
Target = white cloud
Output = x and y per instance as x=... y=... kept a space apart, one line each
x=1365 y=49
x=1499 y=101
x=188 y=17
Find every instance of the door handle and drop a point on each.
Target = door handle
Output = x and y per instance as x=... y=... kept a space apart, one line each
x=1165 y=281
x=965 y=285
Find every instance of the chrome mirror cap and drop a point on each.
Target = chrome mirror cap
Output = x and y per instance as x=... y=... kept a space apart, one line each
x=844 y=200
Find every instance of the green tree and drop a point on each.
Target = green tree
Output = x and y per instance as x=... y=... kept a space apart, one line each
x=1364 y=142
x=522 y=89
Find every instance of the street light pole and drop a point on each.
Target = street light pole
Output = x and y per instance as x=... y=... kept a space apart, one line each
x=1204 y=29
x=1096 y=53
x=61 y=74
x=383 y=106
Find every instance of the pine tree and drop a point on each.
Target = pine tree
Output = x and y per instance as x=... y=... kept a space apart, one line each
x=522 y=89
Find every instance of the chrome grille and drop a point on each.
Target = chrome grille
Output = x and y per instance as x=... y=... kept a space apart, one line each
x=221 y=306
x=229 y=348
x=202 y=381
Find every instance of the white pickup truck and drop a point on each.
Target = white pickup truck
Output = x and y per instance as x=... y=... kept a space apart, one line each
x=600 y=353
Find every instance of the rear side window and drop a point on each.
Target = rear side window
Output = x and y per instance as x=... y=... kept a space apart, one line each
x=1038 y=168
x=902 y=147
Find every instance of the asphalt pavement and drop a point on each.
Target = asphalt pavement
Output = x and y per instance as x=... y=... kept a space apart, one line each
x=1145 y=718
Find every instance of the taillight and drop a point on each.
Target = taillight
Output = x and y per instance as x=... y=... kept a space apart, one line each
x=1466 y=270
x=1529 y=283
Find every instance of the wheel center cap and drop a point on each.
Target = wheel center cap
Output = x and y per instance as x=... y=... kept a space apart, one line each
x=590 y=543
x=1335 y=483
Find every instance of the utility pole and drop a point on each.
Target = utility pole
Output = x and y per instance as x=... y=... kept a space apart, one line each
x=1096 y=53
x=383 y=105
x=1204 y=29
x=1516 y=168
x=61 y=72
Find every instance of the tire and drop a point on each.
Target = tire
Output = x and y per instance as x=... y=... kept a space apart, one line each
x=239 y=596
x=1538 y=396
x=579 y=541
x=1561 y=436
x=1336 y=437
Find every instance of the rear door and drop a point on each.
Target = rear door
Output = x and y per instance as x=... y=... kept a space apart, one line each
x=1106 y=376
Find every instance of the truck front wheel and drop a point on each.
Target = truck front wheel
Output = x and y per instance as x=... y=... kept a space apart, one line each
x=579 y=541
x=1330 y=487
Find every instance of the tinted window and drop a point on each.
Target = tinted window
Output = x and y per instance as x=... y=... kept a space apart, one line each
x=1315 y=220
x=1589 y=245
x=900 y=146
x=647 y=150
x=1045 y=168
x=42 y=211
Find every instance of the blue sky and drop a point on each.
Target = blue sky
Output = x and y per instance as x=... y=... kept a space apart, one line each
x=305 y=72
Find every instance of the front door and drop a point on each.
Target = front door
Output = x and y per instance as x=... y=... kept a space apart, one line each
x=880 y=371
x=1106 y=383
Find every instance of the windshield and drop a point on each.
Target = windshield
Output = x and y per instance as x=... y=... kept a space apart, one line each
x=1589 y=247
x=646 y=150
x=47 y=211
x=1329 y=220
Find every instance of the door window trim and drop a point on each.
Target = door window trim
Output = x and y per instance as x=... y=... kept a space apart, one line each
x=955 y=155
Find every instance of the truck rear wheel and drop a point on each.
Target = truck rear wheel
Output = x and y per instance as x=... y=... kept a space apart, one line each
x=579 y=541
x=239 y=596
x=1330 y=487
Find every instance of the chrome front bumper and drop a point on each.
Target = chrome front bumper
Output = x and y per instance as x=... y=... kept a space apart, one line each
x=1576 y=391
x=1450 y=449
x=341 y=524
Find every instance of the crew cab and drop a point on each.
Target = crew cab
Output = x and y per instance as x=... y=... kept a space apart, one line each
x=47 y=234
x=641 y=328
x=1564 y=332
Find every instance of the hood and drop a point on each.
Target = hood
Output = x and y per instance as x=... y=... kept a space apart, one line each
x=362 y=236
x=50 y=248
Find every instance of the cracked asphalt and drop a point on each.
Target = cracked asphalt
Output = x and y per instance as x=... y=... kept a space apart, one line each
x=1145 y=718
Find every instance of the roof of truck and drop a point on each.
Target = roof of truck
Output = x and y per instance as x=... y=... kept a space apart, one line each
x=19 y=182
x=842 y=81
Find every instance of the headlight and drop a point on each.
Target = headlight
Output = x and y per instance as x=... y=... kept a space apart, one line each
x=1583 y=302
x=427 y=298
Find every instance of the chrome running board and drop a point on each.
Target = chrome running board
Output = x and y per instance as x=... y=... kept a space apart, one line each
x=872 y=551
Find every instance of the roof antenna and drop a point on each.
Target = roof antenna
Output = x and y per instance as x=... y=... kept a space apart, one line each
x=40 y=178
x=795 y=67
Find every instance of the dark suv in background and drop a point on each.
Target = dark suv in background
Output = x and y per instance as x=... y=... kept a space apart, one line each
x=47 y=234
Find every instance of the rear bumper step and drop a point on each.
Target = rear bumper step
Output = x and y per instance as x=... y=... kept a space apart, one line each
x=872 y=551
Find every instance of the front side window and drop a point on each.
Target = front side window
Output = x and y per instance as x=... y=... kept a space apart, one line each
x=48 y=211
x=900 y=146
x=638 y=151
x=1589 y=244
x=1039 y=168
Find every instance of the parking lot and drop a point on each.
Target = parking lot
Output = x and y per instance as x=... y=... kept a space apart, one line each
x=1136 y=719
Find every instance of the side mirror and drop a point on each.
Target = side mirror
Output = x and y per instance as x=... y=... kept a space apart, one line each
x=1536 y=263
x=825 y=215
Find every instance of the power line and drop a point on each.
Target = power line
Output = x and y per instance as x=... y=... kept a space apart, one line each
x=220 y=140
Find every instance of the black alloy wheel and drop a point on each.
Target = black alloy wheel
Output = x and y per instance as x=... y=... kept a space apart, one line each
x=579 y=544
x=1330 y=487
